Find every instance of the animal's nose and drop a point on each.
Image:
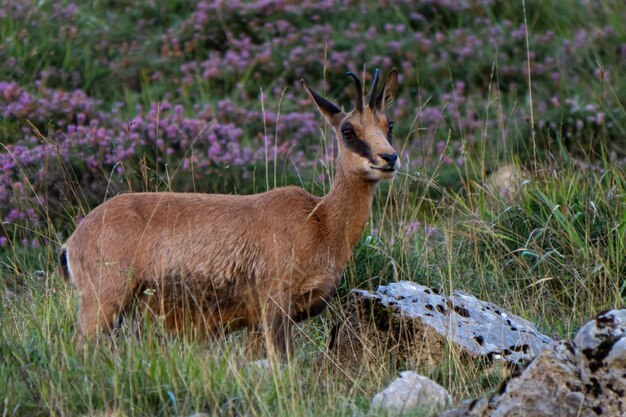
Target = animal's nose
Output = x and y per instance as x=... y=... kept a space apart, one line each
x=390 y=158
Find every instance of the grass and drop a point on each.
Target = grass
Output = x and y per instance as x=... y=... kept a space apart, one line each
x=553 y=253
x=552 y=250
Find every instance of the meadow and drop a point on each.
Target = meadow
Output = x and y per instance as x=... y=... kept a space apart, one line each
x=100 y=97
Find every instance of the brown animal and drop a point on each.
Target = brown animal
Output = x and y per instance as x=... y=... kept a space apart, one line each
x=203 y=261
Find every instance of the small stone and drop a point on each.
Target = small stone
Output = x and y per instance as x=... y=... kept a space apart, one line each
x=262 y=364
x=507 y=180
x=411 y=391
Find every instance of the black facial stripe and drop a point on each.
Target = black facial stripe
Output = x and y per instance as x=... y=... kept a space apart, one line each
x=354 y=144
x=389 y=129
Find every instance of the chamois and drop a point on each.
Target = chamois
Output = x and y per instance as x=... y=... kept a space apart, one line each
x=201 y=261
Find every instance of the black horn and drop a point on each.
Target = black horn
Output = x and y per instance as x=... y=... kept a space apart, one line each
x=371 y=99
x=359 y=90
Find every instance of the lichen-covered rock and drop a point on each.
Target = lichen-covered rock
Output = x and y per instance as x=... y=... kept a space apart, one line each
x=585 y=377
x=414 y=321
x=410 y=391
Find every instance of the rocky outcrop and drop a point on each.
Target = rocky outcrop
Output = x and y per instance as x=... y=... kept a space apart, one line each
x=411 y=321
x=409 y=392
x=585 y=377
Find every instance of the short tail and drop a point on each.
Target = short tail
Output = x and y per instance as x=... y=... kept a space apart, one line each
x=63 y=268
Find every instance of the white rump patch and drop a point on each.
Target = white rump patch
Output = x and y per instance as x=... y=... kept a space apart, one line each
x=67 y=262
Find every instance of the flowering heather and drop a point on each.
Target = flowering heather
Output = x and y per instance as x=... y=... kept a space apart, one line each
x=197 y=87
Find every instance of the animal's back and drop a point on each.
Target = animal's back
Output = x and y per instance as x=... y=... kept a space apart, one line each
x=152 y=228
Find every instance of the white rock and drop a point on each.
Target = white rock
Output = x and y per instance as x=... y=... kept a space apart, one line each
x=410 y=391
x=262 y=364
x=478 y=328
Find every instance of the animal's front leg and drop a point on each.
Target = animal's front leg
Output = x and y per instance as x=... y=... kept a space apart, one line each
x=277 y=328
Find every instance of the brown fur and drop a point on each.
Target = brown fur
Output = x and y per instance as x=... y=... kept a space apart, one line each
x=207 y=260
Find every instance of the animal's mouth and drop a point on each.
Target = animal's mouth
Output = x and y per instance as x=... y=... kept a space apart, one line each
x=384 y=169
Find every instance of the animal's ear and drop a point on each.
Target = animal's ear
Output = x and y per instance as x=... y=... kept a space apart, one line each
x=329 y=110
x=388 y=94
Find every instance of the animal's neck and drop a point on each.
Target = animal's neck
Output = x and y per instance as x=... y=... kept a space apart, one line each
x=347 y=208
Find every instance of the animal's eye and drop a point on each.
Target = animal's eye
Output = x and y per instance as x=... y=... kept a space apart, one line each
x=354 y=143
x=348 y=133
x=389 y=130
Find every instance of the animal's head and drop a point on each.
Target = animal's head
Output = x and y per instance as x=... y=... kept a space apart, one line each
x=364 y=134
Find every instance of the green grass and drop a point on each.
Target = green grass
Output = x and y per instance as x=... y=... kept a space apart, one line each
x=553 y=254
